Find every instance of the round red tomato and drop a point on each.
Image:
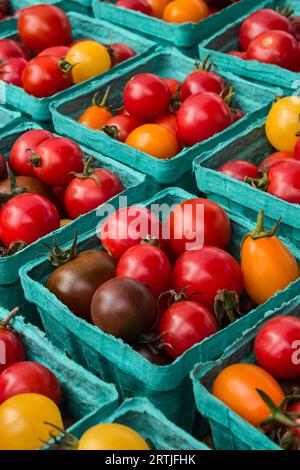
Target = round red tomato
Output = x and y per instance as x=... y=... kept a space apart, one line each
x=44 y=77
x=119 y=127
x=11 y=70
x=201 y=116
x=120 y=52
x=10 y=48
x=277 y=347
x=137 y=5
x=239 y=169
x=284 y=181
x=55 y=51
x=26 y=218
x=198 y=222
x=148 y=264
x=54 y=160
x=275 y=158
x=19 y=158
x=147 y=97
x=91 y=189
x=277 y=48
x=260 y=22
x=127 y=227
x=185 y=324
x=43 y=26
x=202 y=80
x=207 y=271
x=29 y=377
x=12 y=349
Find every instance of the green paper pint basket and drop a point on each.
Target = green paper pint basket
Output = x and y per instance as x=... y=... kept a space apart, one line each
x=11 y=292
x=254 y=99
x=167 y=387
x=82 y=26
x=227 y=39
x=250 y=145
x=230 y=431
x=79 y=6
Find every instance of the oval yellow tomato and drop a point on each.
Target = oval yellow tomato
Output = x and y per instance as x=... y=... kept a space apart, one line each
x=112 y=436
x=283 y=123
x=88 y=58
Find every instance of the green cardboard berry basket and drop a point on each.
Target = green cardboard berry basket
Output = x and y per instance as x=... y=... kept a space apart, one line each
x=80 y=6
x=227 y=39
x=167 y=387
x=8 y=118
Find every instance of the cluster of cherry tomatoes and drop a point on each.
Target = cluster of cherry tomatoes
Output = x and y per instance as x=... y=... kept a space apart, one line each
x=45 y=32
x=53 y=184
x=271 y=37
x=161 y=115
x=279 y=173
x=176 y=11
x=253 y=391
x=162 y=295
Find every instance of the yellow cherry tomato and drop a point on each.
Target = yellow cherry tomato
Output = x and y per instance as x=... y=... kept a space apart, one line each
x=185 y=11
x=283 y=123
x=158 y=7
x=22 y=421
x=64 y=222
x=154 y=140
x=267 y=265
x=112 y=436
x=88 y=58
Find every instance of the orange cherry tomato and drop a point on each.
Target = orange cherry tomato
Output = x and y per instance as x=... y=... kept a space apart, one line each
x=158 y=7
x=97 y=115
x=267 y=265
x=186 y=11
x=154 y=140
x=237 y=385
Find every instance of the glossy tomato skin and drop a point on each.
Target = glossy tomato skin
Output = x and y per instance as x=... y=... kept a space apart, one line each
x=13 y=346
x=276 y=346
x=127 y=227
x=282 y=123
x=43 y=26
x=84 y=194
x=43 y=77
x=188 y=229
x=186 y=11
x=202 y=80
x=112 y=436
x=119 y=127
x=29 y=377
x=236 y=387
x=10 y=48
x=155 y=140
x=201 y=116
x=260 y=22
x=284 y=181
x=27 y=218
x=148 y=264
x=277 y=48
x=19 y=158
x=56 y=160
x=207 y=271
x=75 y=283
x=120 y=52
x=138 y=5
x=185 y=324
x=56 y=51
x=239 y=169
x=124 y=307
x=147 y=97
x=89 y=59
x=95 y=117
x=33 y=185
x=11 y=70
x=275 y=158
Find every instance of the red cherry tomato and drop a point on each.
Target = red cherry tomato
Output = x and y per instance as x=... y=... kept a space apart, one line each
x=137 y=5
x=27 y=218
x=202 y=80
x=275 y=158
x=127 y=227
x=239 y=169
x=10 y=48
x=54 y=160
x=19 y=158
x=260 y=22
x=277 y=347
x=12 y=349
x=11 y=70
x=29 y=377
x=201 y=116
x=120 y=52
x=241 y=55
x=55 y=51
x=43 y=26
x=87 y=192
x=148 y=264
x=119 y=127
x=174 y=85
x=147 y=97
x=44 y=77
x=188 y=229
x=284 y=181
x=277 y=48
x=207 y=271
x=185 y=324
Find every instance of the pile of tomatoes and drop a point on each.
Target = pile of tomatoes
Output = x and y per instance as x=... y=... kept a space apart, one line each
x=46 y=183
x=253 y=390
x=176 y=11
x=46 y=61
x=162 y=115
x=279 y=173
x=164 y=294
x=271 y=37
